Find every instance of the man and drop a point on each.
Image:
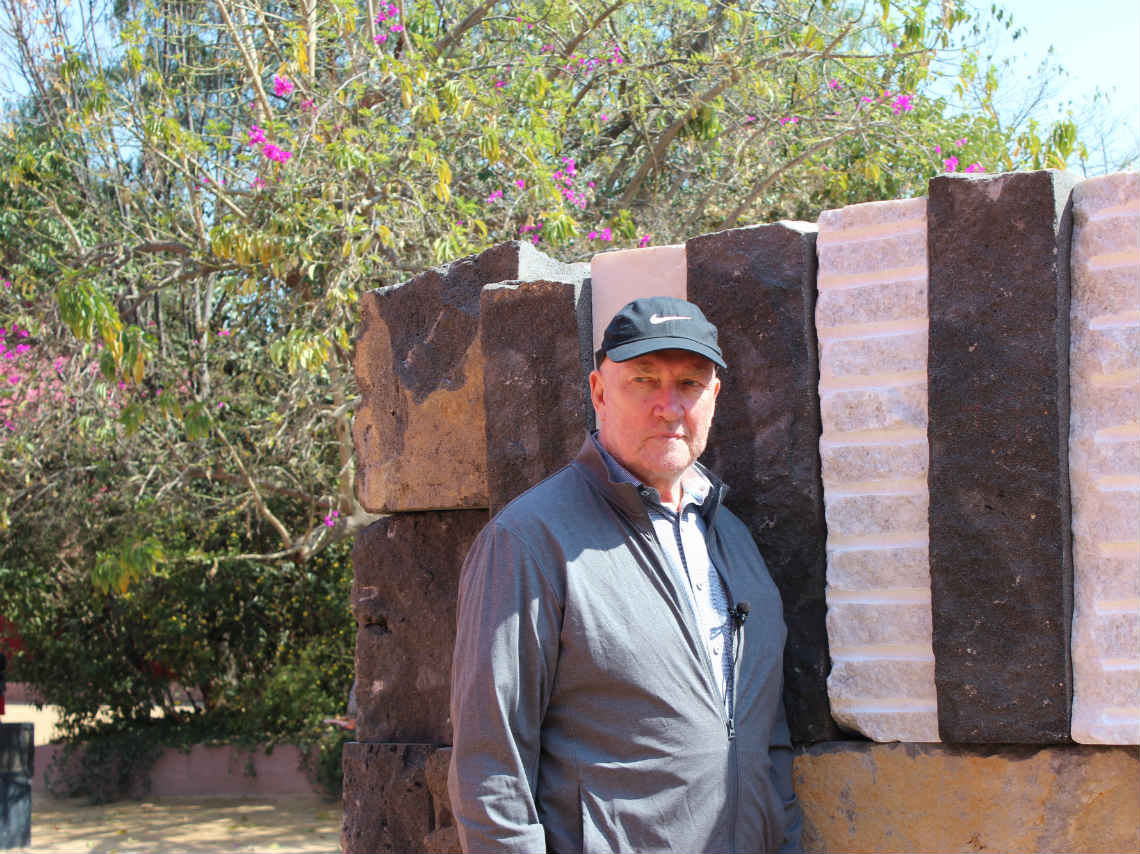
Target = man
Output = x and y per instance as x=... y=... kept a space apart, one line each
x=607 y=694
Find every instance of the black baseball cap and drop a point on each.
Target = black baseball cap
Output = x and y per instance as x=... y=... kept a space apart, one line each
x=650 y=324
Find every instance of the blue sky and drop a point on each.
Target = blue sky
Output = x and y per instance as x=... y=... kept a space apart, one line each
x=1098 y=43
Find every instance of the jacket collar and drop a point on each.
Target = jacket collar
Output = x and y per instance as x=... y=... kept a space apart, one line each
x=627 y=496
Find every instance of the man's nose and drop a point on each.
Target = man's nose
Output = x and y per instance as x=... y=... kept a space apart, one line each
x=670 y=403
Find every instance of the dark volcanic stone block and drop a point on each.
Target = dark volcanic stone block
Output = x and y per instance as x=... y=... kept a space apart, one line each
x=534 y=389
x=387 y=806
x=418 y=430
x=406 y=575
x=757 y=285
x=1000 y=551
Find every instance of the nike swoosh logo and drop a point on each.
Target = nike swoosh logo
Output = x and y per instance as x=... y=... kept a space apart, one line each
x=664 y=318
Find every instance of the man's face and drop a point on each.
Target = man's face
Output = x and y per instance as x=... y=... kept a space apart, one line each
x=654 y=413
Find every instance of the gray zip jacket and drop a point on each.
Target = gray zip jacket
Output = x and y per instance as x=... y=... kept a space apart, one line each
x=585 y=711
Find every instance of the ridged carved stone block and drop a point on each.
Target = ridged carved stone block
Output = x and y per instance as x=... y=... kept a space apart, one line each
x=419 y=428
x=406 y=576
x=1000 y=543
x=534 y=384
x=871 y=321
x=1104 y=459
x=387 y=804
x=757 y=284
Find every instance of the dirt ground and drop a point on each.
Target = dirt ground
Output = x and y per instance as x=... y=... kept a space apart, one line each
x=309 y=824
x=305 y=824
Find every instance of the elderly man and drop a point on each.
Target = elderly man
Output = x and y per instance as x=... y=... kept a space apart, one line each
x=617 y=672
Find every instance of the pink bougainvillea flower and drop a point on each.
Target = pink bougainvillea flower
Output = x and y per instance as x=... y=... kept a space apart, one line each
x=380 y=37
x=960 y=142
x=951 y=163
x=903 y=104
x=278 y=155
x=499 y=84
x=867 y=99
x=396 y=28
x=330 y=520
x=308 y=104
x=833 y=83
x=790 y=120
x=593 y=235
x=282 y=86
x=521 y=184
x=975 y=167
x=256 y=135
x=225 y=333
x=938 y=149
x=258 y=183
x=498 y=194
x=603 y=117
x=7 y=284
x=645 y=238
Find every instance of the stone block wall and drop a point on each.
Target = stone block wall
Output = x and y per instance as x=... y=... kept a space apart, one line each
x=871 y=319
x=912 y=392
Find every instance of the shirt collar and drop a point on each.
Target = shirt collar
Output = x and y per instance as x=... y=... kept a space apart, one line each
x=694 y=485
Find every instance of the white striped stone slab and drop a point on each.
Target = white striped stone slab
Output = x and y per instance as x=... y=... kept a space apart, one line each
x=871 y=322
x=1104 y=459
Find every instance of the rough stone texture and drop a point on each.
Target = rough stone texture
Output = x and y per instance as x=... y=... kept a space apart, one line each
x=406 y=575
x=445 y=838
x=419 y=428
x=387 y=805
x=1104 y=459
x=908 y=798
x=1000 y=552
x=871 y=322
x=757 y=284
x=619 y=277
x=534 y=387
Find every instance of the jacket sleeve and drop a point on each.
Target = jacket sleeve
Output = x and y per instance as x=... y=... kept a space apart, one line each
x=781 y=756
x=506 y=650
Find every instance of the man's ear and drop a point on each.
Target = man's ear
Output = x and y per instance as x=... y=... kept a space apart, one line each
x=597 y=388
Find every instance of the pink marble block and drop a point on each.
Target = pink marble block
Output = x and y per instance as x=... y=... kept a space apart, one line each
x=623 y=275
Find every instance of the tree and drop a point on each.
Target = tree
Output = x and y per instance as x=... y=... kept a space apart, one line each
x=195 y=194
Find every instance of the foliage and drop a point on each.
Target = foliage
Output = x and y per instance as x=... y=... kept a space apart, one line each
x=240 y=652
x=194 y=195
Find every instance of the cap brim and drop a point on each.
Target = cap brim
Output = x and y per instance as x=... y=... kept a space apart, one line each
x=633 y=349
